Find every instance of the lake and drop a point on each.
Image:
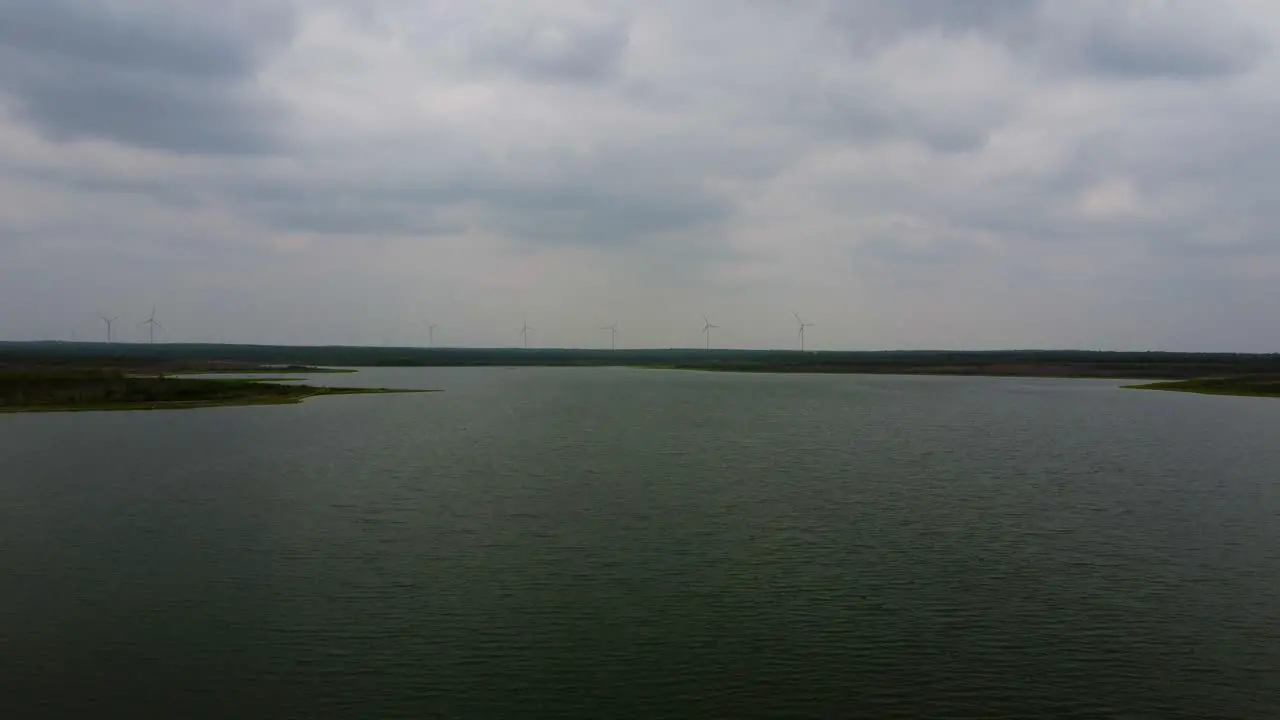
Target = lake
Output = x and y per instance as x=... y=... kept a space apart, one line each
x=619 y=543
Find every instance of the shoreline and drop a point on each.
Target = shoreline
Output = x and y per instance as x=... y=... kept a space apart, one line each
x=111 y=390
x=1228 y=387
x=198 y=404
x=266 y=370
x=273 y=360
x=904 y=372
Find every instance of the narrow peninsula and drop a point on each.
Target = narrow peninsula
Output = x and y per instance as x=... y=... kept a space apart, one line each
x=1246 y=386
x=45 y=390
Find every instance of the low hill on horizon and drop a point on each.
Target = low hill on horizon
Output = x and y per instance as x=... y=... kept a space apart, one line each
x=1060 y=363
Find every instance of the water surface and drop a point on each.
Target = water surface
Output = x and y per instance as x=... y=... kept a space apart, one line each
x=614 y=543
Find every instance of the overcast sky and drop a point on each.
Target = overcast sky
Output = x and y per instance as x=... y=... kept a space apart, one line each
x=902 y=173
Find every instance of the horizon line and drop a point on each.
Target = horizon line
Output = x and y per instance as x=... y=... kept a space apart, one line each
x=698 y=349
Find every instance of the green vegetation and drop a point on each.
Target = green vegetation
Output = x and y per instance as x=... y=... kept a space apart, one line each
x=43 y=390
x=253 y=369
x=206 y=358
x=1248 y=386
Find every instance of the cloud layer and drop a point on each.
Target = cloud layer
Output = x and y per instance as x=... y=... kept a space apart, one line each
x=904 y=173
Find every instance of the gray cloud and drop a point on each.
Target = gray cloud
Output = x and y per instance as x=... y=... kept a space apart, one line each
x=997 y=173
x=872 y=24
x=173 y=76
x=563 y=211
x=1110 y=50
x=1176 y=40
x=603 y=217
x=560 y=51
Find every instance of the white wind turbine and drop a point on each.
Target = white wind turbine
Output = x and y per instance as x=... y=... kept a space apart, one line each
x=613 y=335
x=524 y=333
x=152 y=324
x=431 y=334
x=108 y=321
x=707 y=327
x=803 y=325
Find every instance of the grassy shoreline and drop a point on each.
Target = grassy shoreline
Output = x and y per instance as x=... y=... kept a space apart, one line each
x=196 y=404
x=1233 y=386
x=274 y=370
x=1003 y=372
x=88 y=391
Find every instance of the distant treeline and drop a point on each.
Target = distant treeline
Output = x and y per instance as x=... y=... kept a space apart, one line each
x=1083 y=363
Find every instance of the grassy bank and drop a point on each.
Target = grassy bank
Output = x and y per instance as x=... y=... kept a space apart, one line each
x=172 y=358
x=1000 y=371
x=297 y=370
x=1242 y=386
x=84 y=390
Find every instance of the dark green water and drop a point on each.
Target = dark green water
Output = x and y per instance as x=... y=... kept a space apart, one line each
x=594 y=543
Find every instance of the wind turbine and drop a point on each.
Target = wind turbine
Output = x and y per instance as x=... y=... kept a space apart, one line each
x=613 y=335
x=524 y=333
x=108 y=321
x=707 y=327
x=431 y=335
x=803 y=325
x=152 y=324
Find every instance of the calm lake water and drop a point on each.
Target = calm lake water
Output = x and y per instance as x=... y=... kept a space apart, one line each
x=614 y=543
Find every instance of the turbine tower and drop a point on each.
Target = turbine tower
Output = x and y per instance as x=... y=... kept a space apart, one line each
x=152 y=324
x=803 y=325
x=431 y=335
x=108 y=321
x=524 y=333
x=613 y=335
x=707 y=327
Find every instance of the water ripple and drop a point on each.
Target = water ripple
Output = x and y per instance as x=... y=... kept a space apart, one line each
x=627 y=544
